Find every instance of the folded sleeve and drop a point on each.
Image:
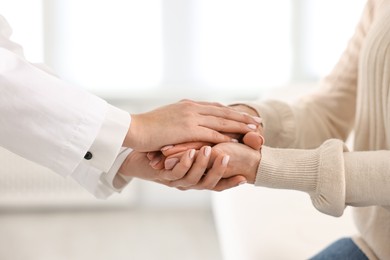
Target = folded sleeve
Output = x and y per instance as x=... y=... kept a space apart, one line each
x=102 y=184
x=319 y=172
x=333 y=176
x=108 y=142
x=98 y=173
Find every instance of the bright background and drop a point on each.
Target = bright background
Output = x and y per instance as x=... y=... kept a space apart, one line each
x=140 y=49
x=141 y=54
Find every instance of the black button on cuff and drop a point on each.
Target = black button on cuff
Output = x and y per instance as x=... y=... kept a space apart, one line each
x=88 y=156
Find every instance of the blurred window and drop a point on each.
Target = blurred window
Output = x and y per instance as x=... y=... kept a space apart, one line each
x=236 y=48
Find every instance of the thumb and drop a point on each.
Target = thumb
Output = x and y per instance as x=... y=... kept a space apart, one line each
x=253 y=140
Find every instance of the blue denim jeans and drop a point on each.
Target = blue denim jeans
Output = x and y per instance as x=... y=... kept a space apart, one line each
x=344 y=249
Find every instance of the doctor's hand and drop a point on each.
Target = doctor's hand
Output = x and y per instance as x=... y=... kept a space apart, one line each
x=253 y=139
x=187 y=121
x=188 y=170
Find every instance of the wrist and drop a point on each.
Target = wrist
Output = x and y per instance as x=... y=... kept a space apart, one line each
x=253 y=167
x=127 y=165
x=133 y=138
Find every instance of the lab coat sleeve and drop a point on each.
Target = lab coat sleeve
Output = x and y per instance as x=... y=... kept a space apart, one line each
x=99 y=175
x=53 y=123
x=103 y=184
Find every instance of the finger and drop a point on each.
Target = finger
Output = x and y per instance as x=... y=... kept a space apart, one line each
x=215 y=174
x=197 y=170
x=160 y=165
x=233 y=135
x=171 y=150
x=151 y=155
x=226 y=125
x=211 y=136
x=245 y=109
x=231 y=182
x=155 y=163
x=172 y=160
x=229 y=113
x=181 y=168
x=253 y=140
x=166 y=148
x=204 y=103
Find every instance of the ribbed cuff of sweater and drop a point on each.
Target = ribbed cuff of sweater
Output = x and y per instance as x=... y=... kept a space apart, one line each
x=288 y=169
x=318 y=172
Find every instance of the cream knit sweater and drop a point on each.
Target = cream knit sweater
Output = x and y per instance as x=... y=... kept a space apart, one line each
x=308 y=153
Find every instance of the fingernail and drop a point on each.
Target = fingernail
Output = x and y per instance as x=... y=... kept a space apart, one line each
x=170 y=163
x=166 y=147
x=263 y=140
x=225 y=160
x=242 y=183
x=258 y=119
x=234 y=140
x=207 y=151
x=151 y=156
x=252 y=126
x=155 y=161
x=192 y=153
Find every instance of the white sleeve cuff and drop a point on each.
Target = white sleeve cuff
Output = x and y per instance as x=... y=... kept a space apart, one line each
x=112 y=177
x=108 y=142
x=102 y=184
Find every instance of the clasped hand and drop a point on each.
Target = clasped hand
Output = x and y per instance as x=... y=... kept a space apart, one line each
x=195 y=145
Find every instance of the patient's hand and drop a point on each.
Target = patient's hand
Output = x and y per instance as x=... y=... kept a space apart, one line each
x=244 y=162
x=244 y=159
x=252 y=139
x=187 y=171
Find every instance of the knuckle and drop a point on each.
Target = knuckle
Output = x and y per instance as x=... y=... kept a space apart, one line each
x=202 y=161
x=188 y=104
x=191 y=182
x=217 y=151
x=227 y=112
x=186 y=164
x=170 y=184
x=175 y=177
x=169 y=177
x=246 y=118
x=209 y=186
x=188 y=183
x=214 y=135
x=222 y=122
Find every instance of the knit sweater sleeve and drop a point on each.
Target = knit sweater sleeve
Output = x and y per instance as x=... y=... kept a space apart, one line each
x=305 y=149
x=319 y=172
x=331 y=175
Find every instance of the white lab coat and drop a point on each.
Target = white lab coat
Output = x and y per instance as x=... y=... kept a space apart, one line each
x=54 y=123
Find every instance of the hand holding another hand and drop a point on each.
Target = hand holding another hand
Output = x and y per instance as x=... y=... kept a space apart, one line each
x=244 y=158
x=244 y=162
x=193 y=164
x=187 y=121
x=188 y=170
